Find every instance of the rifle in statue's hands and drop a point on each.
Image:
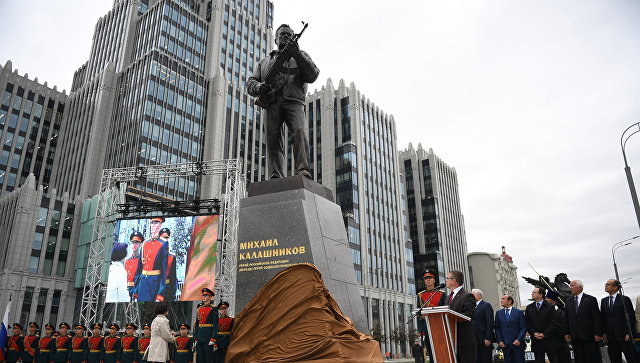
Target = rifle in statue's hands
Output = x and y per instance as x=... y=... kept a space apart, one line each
x=271 y=79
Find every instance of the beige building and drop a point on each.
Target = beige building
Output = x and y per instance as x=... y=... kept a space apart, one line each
x=36 y=254
x=495 y=275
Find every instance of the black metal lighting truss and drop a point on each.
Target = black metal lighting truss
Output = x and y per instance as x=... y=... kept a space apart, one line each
x=178 y=208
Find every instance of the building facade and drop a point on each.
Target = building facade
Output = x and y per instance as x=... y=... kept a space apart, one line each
x=495 y=276
x=30 y=120
x=246 y=36
x=436 y=223
x=354 y=153
x=149 y=94
x=153 y=91
x=36 y=254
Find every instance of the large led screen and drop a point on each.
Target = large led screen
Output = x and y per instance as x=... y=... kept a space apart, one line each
x=162 y=259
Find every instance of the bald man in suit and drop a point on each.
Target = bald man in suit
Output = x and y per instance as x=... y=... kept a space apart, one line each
x=583 y=324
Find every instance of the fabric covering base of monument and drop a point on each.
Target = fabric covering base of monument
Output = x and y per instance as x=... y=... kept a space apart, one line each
x=294 y=318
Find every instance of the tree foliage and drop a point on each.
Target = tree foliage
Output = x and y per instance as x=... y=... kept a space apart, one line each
x=378 y=333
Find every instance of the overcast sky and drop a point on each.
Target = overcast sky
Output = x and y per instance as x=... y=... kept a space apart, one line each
x=527 y=100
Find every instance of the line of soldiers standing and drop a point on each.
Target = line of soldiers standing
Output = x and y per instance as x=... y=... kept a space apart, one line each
x=61 y=347
x=212 y=335
x=582 y=325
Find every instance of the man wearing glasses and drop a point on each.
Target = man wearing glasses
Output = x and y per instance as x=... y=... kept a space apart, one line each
x=617 y=328
x=463 y=302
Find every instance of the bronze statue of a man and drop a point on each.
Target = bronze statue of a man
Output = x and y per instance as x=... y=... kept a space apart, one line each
x=282 y=94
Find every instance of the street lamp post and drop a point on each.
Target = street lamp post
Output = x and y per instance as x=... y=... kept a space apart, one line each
x=616 y=246
x=627 y=170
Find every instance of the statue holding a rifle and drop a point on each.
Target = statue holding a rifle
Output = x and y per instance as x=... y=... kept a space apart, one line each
x=279 y=82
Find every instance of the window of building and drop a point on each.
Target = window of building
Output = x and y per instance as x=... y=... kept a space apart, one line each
x=17 y=102
x=37 y=110
x=26 y=306
x=11 y=180
x=42 y=302
x=42 y=217
x=36 y=248
x=6 y=98
x=62 y=257
x=13 y=120
x=15 y=161
x=49 y=253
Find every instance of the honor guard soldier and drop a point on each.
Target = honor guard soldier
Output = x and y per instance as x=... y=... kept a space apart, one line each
x=46 y=345
x=223 y=338
x=15 y=343
x=129 y=344
x=79 y=346
x=151 y=274
x=112 y=348
x=96 y=352
x=30 y=343
x=131 y=265
x=428 y=297
x=143 y=342
x=184 y=346
x=171 y=282
x=206 y=327
x=63 y=344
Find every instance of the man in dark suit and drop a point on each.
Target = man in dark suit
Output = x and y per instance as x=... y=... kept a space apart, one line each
x=463 y=302
x=542 y=326
x=617 y=331
x=582 y=324
x=483 y=326
x=511 y=327
x=564 y=356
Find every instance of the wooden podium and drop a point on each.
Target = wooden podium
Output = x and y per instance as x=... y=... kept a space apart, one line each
x=442 y=329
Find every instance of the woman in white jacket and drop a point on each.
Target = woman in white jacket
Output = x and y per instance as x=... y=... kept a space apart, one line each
x=158 y=350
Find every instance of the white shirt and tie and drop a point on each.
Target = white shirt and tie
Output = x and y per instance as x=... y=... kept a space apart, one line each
x=507 y=312
x=612 y=300
x=453 y=294
x=577 y=300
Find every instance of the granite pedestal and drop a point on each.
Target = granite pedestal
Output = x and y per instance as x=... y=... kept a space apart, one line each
x=295 y=220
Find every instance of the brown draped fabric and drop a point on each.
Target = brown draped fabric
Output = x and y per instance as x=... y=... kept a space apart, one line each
x=295 y=318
